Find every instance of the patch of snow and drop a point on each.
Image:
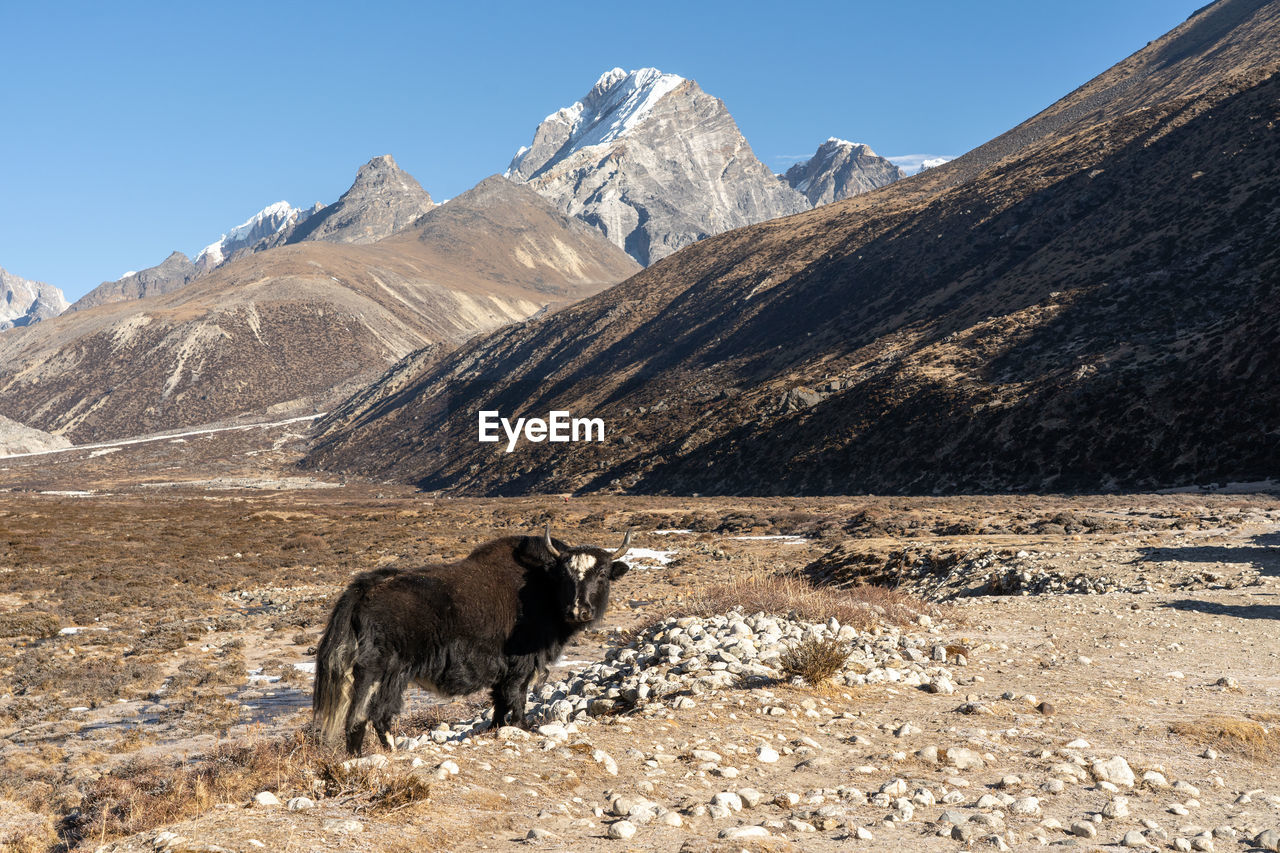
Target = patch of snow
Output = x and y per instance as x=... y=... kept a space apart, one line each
x=79 y=629
x=104 y=452
x=256 y=677
x=784 y=539
x=62 y=493
x=306 y=666
x=672 y=531
x=649 y=555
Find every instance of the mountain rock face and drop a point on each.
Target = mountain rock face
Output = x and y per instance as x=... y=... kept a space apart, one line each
x=652 y=161
x=23 y=302
x=1087 y=302
x=839 y=169
x=16 y=438
x=383 y=199
x=299 y=327
x=266 y=229
x=174 y=272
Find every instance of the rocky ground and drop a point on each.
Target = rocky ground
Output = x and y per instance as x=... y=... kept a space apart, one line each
x=1085 y=671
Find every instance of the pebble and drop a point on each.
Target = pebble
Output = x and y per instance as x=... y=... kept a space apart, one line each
x=1118 y=807
x=863 y=834
x=622 y=829
x=1084 y=829
x=728 y=800
x=1268 y=839
x=963 y=758
x=1134 y=838
x=343 y=827
x=1116 y=771
x=736 y=832
x=300 y=804
x=540 y=834
x=766 y=754
x=266 y=798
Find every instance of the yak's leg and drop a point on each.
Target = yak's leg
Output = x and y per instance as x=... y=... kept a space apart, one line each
x=511 y=694
x=387 y=703
x=363 y=689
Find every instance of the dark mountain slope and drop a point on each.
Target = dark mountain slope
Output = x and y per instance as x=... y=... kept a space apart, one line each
x=1093 y=309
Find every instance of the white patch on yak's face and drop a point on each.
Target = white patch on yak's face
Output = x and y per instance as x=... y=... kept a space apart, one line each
x=580 y=564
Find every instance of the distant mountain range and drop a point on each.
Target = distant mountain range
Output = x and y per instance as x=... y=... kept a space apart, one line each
x=1089 y=301
x=301 y=326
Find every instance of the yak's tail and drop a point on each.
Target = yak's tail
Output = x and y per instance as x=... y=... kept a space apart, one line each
x=335 y=663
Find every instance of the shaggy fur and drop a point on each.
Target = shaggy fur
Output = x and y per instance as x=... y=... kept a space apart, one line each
x=492 y=620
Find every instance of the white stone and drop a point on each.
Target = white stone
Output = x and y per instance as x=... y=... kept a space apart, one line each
x=622 y=829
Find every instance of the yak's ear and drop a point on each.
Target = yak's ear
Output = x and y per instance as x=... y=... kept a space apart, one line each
x=617 y=569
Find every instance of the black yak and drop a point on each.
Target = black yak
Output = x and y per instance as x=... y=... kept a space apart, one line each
x=494 y=619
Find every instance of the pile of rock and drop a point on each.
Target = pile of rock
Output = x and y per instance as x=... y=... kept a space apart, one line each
x=945 y=574
x=674 y=663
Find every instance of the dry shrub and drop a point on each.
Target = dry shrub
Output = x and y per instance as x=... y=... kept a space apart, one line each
x=143 y=794
x=301 y=541
x=1248 y=738
x=382 y=790
x=25 y=831
x=28 y=623
x=863 y=607
x=814 y=660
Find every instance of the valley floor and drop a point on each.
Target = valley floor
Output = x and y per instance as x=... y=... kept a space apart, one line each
x=156 y=643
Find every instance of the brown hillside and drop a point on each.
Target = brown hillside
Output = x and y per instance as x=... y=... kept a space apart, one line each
x=1088 y=301
x=282 y=329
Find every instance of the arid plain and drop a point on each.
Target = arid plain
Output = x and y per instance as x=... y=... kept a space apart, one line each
x=162 y=602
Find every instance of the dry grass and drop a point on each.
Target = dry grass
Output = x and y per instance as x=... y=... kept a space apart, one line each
x=141 y=795
x=1250 y=739
x=863 y=607
x=814 y=660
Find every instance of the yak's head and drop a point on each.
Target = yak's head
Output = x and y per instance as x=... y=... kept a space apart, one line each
x=585 y=574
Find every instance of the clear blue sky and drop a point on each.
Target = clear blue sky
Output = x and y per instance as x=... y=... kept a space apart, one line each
x=135 y=128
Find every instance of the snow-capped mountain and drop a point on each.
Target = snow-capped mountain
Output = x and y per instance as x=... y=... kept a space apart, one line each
x=653 y=162
x=267 y=228
x=23 y=302
x=840 y=169
x=914 y=164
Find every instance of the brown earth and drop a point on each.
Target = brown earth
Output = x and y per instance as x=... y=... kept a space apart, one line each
x=149 y=720
x=296 y=328
x=1086 y=302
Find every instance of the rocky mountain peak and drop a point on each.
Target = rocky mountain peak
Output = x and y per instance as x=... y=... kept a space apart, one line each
x=840 y=169
x=170 y=274
x=383 y=199
x=653 y=162
x=23 y=302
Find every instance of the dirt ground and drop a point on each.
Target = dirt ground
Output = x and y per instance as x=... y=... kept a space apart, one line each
x=148 y=632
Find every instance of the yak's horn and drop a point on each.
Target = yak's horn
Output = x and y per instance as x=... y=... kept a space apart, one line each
x=546 y=540
x=626 y=546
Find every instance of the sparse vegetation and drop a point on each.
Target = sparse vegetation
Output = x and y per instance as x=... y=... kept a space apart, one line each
x=862 y=606
x=814 y=660
x=1249 y=738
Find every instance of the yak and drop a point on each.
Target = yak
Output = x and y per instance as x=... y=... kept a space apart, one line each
x=494 y=619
